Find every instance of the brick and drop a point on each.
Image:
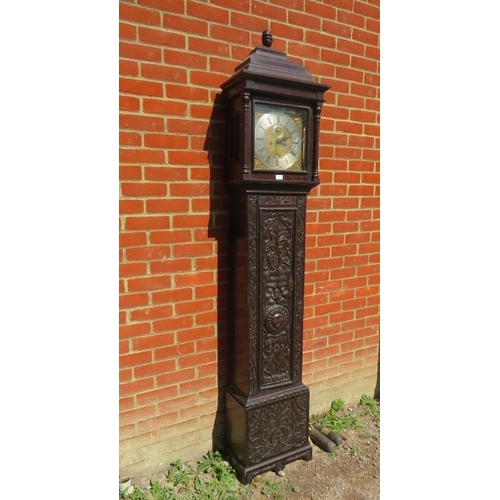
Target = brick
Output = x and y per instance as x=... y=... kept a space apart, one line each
x=162 y=37
x=347 y=177
x=163 y=73
x=349 y=74
x=365 y=64
x=144 y=223
x=197 y=359
x=341 y=4
x=132 y=269
x=130 y=139
x=173 y=295
x=188 y=25
x=155 y=368
x=148 y=283
x=171 y=266
x=128 y=103
x=371 y=178
x=366 y=9
x=166 y=205
x=164 y=5
x=141 y=189
x=187 y=157
x=156 y=423
x=350 y=47
x=174 y=351
x=156 y=395
x=139 y=52
x=221 y=65
x=157 y=173
x=365 y=37
x=304 y=50
x=184 y=59
x=139 y=14
x=133 y=388
x=190 y=221
x=131 y=301
x=337 y=29
x=334 y=57
x=232 y=35
x=193 y=307
x=187 y=126
x=270 y=11
x=170 y=324
x=135 y=359
x=196 y=385
x=176 y=376
x=368 y=311
x=128 y=68
x=167 y=237
x=363 y=90
x=152 y=341
x=359 y=215
x=127 y=31
x=189 y=93
x=285 y=31
x=208 y=12
x=241 y=5
x=193 y=250
x=142 y=122
x=127 y=331
x=141 y=156
x=167 y=141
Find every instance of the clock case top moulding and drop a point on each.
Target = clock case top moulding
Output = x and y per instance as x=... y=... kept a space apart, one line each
x=267 y=75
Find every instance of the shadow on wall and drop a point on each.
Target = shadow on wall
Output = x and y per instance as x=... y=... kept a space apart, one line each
x=218 y=228
x=376 y=394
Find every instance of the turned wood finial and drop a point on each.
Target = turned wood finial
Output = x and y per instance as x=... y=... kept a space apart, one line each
x=267 y=38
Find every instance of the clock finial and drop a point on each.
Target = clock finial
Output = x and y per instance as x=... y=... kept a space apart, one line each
x=267 y=38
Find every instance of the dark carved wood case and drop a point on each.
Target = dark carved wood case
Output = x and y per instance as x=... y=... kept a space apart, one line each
x=267 y=403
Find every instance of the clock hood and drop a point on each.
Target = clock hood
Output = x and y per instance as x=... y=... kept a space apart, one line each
x=267 y=69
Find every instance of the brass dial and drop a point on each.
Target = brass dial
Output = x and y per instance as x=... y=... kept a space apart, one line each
x=279 y=139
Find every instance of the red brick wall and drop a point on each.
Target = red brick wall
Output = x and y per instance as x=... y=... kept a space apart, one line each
x=174 y=54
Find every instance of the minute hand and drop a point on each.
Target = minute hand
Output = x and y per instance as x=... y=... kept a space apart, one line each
x=297 y=142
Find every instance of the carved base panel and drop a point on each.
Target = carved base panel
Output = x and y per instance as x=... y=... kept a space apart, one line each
x=246 y=474
x=267 y=432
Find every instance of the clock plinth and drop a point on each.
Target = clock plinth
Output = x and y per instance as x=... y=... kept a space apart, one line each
x=273 y=132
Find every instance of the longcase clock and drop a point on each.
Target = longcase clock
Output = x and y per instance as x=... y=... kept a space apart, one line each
x=273 y=112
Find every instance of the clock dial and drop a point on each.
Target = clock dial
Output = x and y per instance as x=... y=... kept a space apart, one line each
x=279 y=138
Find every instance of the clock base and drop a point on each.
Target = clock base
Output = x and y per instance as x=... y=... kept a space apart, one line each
x=276 y=464
x=266 y=432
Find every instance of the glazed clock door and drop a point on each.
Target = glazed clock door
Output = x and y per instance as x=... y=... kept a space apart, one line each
x=280 y=137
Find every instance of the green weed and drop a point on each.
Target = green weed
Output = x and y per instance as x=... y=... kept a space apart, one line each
x=178 y=475
x=138 y=494
x=272 y=490
x=162 y=492
x=370 y=406
x=336 y=421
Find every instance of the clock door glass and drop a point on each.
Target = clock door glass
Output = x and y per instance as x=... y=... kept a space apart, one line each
x=279 y=137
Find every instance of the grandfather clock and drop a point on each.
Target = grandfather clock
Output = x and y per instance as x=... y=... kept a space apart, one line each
x=273 y=112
